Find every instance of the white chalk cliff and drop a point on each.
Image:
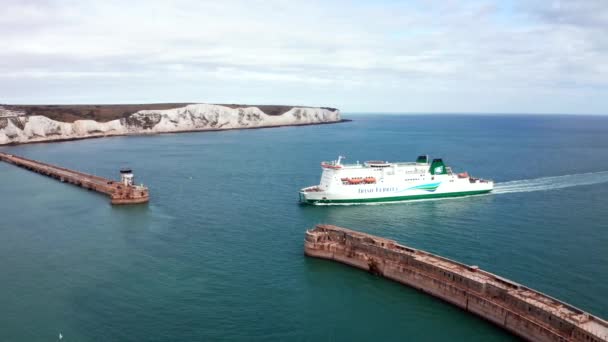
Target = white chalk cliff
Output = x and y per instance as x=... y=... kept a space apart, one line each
x=15 y=128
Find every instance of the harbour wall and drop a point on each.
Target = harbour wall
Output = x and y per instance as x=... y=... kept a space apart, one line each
x=527 y=313
x=119 y=193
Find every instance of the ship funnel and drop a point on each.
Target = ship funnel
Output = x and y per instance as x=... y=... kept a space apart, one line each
x=438 y=167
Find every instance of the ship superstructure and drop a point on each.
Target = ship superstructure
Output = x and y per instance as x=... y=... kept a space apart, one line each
x=382 y=181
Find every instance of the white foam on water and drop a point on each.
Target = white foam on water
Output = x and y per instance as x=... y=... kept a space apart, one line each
x=551 y=183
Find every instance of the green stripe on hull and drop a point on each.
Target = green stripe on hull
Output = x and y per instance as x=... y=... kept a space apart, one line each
x=400 y=198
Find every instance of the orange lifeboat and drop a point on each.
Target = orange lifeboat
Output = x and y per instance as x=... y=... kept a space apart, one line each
x=369 y=180
x=355 y=180
x=463 y=175
x=345 y=179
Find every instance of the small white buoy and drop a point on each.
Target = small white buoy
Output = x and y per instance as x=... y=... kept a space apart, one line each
x=60 y=336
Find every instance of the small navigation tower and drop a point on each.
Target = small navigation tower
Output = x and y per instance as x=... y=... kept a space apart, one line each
x=126 y=177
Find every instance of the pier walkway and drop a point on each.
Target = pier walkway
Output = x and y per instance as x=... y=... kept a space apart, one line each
x=514 y=307
x=120 y=192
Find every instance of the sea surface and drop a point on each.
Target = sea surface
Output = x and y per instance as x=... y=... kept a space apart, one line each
x=217 y=254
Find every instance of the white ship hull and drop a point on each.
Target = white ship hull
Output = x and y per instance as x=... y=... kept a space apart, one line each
x=386 y=182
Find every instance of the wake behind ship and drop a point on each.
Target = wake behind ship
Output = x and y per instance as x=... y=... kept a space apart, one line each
x=380 y=181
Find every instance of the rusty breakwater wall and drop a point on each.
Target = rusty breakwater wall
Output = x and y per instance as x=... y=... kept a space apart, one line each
x=514 y=307
x=119 y=193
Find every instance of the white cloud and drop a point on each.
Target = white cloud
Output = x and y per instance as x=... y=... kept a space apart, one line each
x=385 y=56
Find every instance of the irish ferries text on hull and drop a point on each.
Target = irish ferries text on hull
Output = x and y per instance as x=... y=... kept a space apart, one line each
x=380 y=181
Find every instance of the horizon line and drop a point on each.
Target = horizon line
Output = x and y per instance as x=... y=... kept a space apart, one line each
x=472 y=113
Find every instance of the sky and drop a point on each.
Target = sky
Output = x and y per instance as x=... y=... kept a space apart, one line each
x=359 y=56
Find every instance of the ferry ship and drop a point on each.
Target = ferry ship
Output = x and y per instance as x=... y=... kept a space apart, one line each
x=381 y=181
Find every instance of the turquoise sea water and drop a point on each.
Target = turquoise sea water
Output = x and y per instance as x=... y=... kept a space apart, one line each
x=218 y=252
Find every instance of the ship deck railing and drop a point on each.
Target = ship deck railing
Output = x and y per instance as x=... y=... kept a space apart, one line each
x=363 y=165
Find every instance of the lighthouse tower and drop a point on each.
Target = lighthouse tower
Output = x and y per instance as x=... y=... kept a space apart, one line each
x=126 y=177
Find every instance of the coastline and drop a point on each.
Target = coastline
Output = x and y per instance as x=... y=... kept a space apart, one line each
x=173 y=132
x=30 y=126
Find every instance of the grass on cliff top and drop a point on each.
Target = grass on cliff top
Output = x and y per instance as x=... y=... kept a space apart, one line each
x=104 y=113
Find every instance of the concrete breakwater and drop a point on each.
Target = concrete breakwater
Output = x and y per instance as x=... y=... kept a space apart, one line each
x=514 y=307
x=123 y=192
